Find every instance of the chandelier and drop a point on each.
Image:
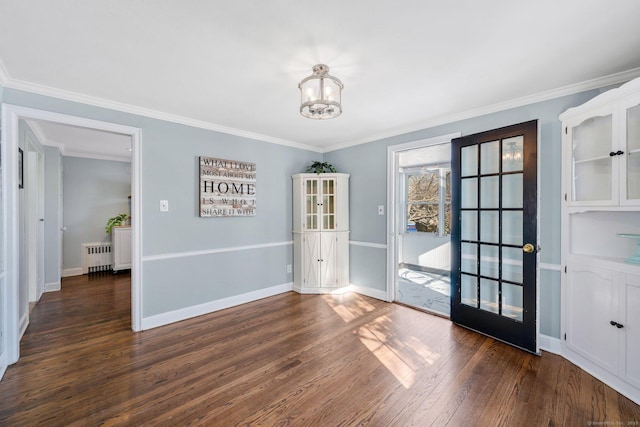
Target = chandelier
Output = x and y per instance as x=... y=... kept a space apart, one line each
x=321 y=94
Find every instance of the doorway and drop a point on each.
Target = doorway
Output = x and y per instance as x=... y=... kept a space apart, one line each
x=13 y=305
x=418 y=248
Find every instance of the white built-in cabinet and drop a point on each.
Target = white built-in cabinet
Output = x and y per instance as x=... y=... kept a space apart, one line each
x=601 y=203
x=320 y=232
x=121 y=247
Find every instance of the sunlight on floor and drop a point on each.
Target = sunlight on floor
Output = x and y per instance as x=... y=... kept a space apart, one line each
x=357 y=306
x=401 y=358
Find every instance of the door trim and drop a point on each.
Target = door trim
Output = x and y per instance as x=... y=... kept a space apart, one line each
x=393 y=151
x=11 y=114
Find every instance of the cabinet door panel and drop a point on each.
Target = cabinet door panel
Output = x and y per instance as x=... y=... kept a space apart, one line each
x=311 y=259
x=328 y=274
x=592 y=303
x=631 y=302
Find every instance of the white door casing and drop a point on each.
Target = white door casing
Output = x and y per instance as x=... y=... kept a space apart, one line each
x=11 y=114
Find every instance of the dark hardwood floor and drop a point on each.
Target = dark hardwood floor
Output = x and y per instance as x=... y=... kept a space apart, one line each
x=292 y=359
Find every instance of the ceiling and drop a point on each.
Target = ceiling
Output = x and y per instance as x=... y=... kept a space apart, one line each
x=234 y=66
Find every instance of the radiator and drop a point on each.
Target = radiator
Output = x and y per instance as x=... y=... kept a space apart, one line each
x=96 y=257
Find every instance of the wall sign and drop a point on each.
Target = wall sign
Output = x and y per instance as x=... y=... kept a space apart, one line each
x=227 y=187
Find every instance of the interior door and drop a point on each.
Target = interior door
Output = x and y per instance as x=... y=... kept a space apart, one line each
x=494 y=233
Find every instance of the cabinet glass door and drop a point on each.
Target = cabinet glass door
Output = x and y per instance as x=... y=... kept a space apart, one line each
x=592 y=162
x=633 y=154
x=311 y=204
x=328 y=204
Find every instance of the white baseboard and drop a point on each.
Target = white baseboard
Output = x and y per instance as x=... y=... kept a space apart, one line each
x=24 y=322
x=550 y=344
x=362 y=290
x=369 y=292
x=322 y=291
x=68 y=272
x=52 y=287
x=210 y=307
x=3 y=369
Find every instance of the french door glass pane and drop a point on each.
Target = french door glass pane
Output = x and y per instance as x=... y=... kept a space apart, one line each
x=469 y=161
x=513 y=154
x=512 y=191
x=469 y=190
x=468 y=290
x=512 y=264
x=489 y=158
x=512 y=301
x=489 y=192
x=469 y=226
x=469 y=263
x=489 y=292
x=489 y=226
x=489 y=261
x=512 y=227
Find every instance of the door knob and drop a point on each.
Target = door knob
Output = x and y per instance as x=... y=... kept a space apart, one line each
x=528 y=248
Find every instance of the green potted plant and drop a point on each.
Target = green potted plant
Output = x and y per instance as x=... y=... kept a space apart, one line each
x=115 y=221
x=320 y=167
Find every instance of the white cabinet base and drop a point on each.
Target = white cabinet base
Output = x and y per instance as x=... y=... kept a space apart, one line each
x=121 y=248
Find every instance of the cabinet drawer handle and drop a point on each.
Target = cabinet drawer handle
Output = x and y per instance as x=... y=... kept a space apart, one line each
x=619 y=153
x=612 y=323
x=619 y=326
x=612 y=153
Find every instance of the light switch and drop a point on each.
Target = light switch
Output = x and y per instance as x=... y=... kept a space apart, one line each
x=164 y=206
x=380 y=209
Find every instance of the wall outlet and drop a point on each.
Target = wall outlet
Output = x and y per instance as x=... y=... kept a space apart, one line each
x=288 y=268
x=380 y=209
x=164 y=206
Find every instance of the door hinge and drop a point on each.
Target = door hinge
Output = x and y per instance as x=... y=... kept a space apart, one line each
x=565 y=197
x=565 y=337
x=565 y=268
x=566 y=130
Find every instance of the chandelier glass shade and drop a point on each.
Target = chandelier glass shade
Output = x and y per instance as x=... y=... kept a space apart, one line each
x=321 y=94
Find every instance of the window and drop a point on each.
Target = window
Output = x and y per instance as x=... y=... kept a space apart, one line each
x=428 y=199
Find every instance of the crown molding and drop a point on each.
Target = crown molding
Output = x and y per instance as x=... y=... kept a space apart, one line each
x=4 y=74
x=146 y=112
x=596 y=83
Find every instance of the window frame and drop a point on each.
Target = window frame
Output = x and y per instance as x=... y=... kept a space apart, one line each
x=417 y=170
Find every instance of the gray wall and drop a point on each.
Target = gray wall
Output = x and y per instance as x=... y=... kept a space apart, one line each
x=52 y=219
x=367 y=165
x=93 y=191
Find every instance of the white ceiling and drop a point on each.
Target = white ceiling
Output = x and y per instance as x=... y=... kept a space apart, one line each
x=235 y=65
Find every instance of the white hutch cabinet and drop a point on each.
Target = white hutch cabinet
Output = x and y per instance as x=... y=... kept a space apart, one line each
x=320 y=232
x=600 y=231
